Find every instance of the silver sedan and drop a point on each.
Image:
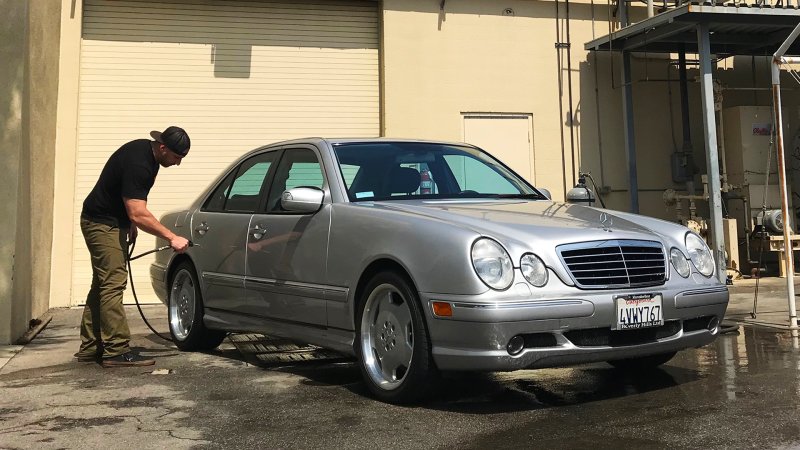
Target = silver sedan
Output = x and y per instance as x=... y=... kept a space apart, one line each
x=420 y=257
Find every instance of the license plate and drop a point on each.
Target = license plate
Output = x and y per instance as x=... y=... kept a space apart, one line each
x=639 y=311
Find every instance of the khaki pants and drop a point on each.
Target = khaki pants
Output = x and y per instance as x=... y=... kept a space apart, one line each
x=104 y=325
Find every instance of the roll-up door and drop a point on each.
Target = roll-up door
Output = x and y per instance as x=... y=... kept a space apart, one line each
x=235 y=74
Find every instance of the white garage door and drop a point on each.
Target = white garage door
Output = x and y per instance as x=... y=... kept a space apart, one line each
x=234 y=74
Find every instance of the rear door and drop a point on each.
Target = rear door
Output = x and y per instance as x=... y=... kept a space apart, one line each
x=287 y=252
x=220 y=229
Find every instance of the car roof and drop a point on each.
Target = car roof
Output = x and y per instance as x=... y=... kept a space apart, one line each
x=340 y=141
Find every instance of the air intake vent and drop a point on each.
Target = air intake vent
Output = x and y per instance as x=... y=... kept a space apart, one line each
x=615 y=263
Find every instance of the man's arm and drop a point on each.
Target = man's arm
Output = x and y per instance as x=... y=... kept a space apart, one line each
x=143 y=219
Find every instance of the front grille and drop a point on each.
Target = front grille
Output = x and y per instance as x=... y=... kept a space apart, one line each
x=606 y=337
x=615 y=263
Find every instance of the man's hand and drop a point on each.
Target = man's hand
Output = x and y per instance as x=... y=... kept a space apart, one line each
x=179 y=244
x=133 y=232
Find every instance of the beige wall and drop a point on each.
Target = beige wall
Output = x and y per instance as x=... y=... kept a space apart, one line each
x=66 y=152
x=29 y=51
x=13 y=31
x=472 y=58
x=45 y=20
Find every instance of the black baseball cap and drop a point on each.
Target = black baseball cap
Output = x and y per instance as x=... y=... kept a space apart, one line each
x=175 y=138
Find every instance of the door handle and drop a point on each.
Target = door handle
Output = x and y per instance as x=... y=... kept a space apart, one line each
x=202 y=228
x=258 y=232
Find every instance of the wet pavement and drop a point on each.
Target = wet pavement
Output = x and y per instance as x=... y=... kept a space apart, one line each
x=743 y=391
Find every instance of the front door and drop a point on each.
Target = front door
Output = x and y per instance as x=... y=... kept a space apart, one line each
x=286 y=252
x=220 y=231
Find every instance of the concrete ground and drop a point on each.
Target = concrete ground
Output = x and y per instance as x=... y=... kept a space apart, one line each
x=743 y=391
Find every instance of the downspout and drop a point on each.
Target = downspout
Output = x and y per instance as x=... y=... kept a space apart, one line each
x=788 y=251
x=687 y=148
x=558 y=46
x=569 y=91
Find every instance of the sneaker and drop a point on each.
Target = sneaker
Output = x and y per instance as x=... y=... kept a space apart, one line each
x=128 y=359
x=87 y=357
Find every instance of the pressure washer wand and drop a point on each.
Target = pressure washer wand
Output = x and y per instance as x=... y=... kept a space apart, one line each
x=159 y=249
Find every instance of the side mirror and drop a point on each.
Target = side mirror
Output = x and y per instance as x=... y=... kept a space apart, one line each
x=546 y=193
x=302 y=199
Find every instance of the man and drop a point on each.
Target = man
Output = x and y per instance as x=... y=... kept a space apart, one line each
x=112 y=215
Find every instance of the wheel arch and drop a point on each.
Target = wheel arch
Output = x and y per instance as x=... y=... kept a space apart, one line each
x=375 y=267
x=173 y=266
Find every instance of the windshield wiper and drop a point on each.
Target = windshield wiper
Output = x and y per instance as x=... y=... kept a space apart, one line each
x=522 y=196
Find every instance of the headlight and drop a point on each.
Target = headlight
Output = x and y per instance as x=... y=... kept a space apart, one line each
x=533 y=269
x=700 y=254
x=679 y=262
x=492 y=264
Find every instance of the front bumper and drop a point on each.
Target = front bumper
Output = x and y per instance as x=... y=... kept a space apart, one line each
x=566 y=330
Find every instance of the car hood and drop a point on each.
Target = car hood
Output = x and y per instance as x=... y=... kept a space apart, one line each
x=530 y=223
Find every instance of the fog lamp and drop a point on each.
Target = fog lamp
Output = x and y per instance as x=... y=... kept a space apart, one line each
x=515 y=345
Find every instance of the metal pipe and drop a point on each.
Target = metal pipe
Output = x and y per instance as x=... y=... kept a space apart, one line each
x=687 y=128
x=786 y=44
x=628 y=131
x=569 y=95
x=650 y=11
x=560 y=77
x=788 y=251
x=712 y=156
x=624 y=21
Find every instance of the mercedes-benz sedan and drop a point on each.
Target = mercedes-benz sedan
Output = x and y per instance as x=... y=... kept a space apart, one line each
x=419 y=257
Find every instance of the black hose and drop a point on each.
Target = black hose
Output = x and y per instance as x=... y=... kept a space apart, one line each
x=728 y=327
x=130 y=258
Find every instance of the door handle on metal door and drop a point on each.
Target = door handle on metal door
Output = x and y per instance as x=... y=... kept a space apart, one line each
x=258 y=232
x=202 y=228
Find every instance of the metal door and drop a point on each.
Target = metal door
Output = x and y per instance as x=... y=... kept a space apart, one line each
x=287 y=252
x=221 y=227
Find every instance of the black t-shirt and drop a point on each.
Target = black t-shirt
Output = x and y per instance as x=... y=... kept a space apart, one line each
x=130 y=172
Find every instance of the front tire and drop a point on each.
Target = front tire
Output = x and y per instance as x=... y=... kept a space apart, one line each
x=393 y=345
x=185 y=312
x=644 y=363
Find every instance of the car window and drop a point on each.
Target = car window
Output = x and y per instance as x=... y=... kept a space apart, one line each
x=476 y=176
x=240 y=191
x=297 y=168
x=407 y=170
x=349 y=172
x=216 y=201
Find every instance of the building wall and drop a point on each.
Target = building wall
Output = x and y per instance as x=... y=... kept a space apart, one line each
x=44 y=37
x=13 y=49
x=29 y=51
x=66 y=151
x=470 y=57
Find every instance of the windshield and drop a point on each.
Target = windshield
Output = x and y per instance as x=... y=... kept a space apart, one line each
x=413 y=170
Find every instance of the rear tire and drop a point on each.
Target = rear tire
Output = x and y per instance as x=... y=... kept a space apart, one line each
x=393 y=345
x=185 y=312
x=642 y=364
